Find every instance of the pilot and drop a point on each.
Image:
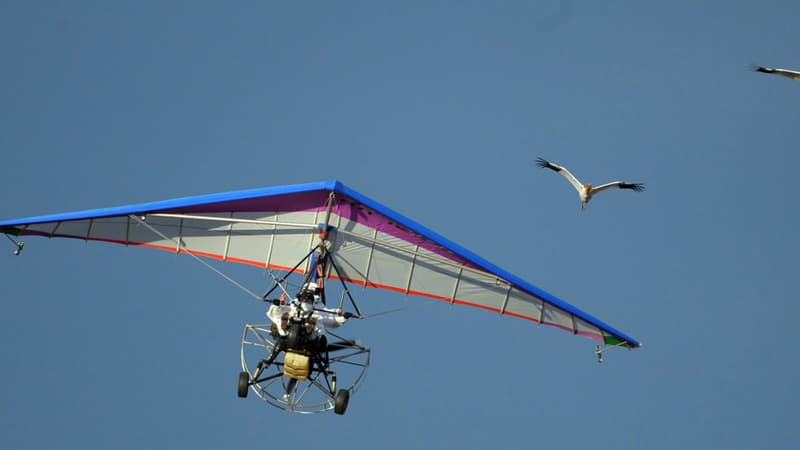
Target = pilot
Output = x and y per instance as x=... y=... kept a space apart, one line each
x=307 y=301
x=305 y=304
x=323 y=317
x=318 y=319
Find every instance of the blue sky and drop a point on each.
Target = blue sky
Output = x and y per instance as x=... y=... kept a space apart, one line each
x=437 y=110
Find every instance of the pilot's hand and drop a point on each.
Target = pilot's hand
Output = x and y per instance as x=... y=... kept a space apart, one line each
x=347 y=315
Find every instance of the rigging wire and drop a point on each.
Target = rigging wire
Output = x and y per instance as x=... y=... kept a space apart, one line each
x=279 y=283
x=383 y=313
x=181 y=245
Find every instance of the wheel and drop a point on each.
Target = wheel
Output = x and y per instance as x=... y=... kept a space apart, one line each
x=244 y=384
x=294 y=336
x=342 y=397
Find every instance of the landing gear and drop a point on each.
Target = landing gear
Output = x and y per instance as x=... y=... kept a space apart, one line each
x=337 y=366
x=244 y=384
x=342 y=398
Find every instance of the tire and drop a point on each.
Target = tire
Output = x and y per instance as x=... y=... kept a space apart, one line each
x=244 y=384
x=293 y=337
x=342 y=398
x=322 y=345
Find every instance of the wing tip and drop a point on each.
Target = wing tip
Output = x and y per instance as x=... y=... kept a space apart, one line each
x=635 y=187
x=10 y=230
x=545 y=164
x=619 y=341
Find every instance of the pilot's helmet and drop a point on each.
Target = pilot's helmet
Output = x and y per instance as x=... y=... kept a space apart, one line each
x=313 y=287
x=311 y=292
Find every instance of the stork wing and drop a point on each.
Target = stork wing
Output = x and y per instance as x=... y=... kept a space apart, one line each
x=562 y=170
x=795 y=75
x=372 y=246
x=638 y=187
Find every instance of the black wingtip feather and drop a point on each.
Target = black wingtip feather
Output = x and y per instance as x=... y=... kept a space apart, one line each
x=545 y=164
x=636 y=187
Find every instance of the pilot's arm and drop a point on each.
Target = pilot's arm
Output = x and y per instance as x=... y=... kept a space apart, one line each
x=331 y=319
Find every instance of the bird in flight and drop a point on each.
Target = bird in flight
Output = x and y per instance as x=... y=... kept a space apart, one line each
x=795 y=75
x=586 y=191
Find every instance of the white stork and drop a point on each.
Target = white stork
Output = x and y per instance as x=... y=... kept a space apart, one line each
x=586 y=191
x=786 y=73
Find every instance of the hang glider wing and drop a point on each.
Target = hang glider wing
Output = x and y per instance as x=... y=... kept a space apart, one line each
x=372 y=245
